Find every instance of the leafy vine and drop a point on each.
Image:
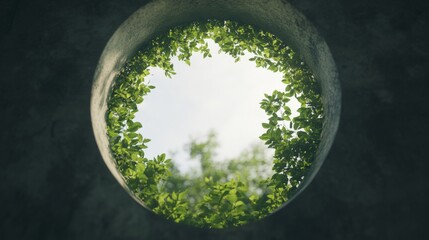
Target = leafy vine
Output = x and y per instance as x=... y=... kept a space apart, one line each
x=217 y=200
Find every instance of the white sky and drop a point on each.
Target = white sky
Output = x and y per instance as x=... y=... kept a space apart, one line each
x=212 y=94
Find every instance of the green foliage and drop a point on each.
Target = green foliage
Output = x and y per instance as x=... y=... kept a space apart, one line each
x=222 y=195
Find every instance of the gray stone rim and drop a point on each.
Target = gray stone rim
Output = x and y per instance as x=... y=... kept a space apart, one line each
x=275 y=16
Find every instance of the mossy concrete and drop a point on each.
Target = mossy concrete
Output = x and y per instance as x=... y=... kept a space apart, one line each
x=55 y=185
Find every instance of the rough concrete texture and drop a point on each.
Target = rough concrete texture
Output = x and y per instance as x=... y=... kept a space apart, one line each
x=54 y=184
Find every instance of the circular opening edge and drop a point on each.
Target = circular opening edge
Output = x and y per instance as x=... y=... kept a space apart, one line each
x=275 y=16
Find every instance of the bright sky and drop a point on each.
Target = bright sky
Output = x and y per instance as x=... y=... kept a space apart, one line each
x=212 y=94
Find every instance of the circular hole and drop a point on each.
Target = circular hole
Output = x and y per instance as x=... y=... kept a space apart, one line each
x=148 y=23
x=216 y=193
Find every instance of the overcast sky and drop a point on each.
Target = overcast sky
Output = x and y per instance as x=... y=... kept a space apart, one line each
x=212 y=94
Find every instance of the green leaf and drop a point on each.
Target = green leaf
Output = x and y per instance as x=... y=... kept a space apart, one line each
x=238 y=203
x=232 y=198
x=134 y=127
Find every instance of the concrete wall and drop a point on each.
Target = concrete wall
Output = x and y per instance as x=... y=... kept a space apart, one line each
x=54 y=184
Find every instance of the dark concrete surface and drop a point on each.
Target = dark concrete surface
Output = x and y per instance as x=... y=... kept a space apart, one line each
x=54 y=184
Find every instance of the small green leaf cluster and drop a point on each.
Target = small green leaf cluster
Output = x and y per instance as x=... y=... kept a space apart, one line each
x=222 y=196
x=227 y=193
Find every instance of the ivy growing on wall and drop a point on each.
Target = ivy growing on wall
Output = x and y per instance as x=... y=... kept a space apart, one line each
x=223 y=196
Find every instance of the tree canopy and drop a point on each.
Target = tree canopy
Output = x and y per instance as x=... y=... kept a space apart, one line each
x=222 y=195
